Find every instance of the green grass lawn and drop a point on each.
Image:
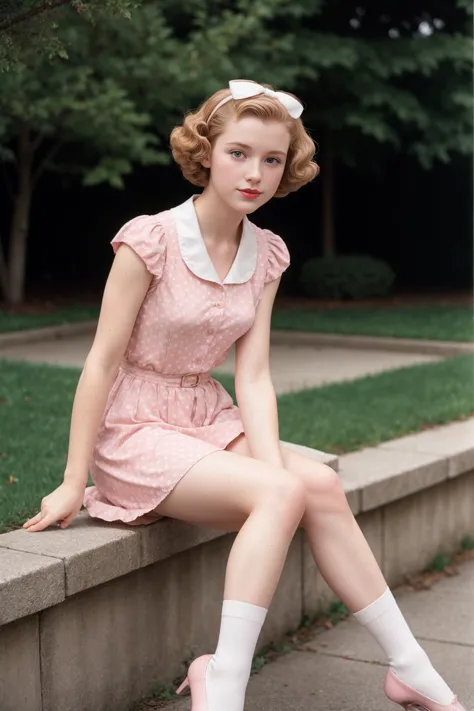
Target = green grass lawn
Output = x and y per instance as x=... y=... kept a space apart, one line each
x=36 y=401
x=450 y=323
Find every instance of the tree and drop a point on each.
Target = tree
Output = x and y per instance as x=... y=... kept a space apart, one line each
x=93 y=112
x=377 y=77
x=32 y=23
x=374 y=75
x=393 y=75
x=41 y=111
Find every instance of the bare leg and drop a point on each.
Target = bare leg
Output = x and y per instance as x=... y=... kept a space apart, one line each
x=339 y=547
x=265 y=505
x=348 y=565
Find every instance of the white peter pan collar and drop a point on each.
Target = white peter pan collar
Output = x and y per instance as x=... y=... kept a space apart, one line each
x=195 y=254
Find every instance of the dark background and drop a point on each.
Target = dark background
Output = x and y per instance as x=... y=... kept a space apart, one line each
x=419 y=221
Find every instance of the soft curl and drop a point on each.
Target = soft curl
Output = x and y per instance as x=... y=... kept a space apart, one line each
x=191 y=143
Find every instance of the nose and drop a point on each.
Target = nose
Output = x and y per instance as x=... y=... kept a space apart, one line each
x=253 y=172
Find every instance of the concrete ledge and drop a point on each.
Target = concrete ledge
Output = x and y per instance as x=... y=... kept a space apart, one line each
x=28 y=583
x=382 y=476
x=376 y=476
x=94 y=615
x=278 y=336
x=401 y=345
x=90 y=552
x=455 y=442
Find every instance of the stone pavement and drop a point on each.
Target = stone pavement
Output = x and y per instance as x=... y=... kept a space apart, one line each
x=294 y=367
x=343 y=669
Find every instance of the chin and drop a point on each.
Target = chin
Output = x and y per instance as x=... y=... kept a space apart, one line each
x=246 y=207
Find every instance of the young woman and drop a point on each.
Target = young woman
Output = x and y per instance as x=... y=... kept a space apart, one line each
x=162 y=438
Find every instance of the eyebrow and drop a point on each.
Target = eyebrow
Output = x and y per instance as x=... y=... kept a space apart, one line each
x=244 y=145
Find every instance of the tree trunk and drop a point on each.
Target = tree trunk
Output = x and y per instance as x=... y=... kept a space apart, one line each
x=21 y=219
x=327 y=177
x=3 y=273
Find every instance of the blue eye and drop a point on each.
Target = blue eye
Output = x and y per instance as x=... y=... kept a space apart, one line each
x=275 y=159
x=233 y=153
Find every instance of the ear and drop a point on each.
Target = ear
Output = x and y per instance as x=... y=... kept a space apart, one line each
x=206 y=163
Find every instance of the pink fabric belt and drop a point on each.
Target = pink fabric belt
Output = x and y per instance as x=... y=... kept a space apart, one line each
x=190 y=380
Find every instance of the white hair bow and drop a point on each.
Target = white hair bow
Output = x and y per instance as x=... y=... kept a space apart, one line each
x=242 y=89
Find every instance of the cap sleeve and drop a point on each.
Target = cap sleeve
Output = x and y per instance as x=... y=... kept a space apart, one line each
x=146 y=236
x=278 y=256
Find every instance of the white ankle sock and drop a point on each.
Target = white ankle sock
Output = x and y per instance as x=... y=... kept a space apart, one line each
x=229 y=669
x=409 y=661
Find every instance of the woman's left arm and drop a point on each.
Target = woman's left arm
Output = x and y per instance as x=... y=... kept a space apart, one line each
x=253 y=383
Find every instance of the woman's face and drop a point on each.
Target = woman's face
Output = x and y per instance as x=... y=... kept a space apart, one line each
x=249 y=154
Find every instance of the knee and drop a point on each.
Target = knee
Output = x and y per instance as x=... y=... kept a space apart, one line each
x=327 y=490
x=287 y=498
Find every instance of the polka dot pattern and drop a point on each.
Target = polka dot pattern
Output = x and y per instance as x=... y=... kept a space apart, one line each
x=152 y=431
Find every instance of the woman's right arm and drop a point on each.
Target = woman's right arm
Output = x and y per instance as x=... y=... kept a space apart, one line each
x=126 y=287
x=124 y=292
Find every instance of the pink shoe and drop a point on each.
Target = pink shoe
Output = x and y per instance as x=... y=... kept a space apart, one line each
x=196 y=680
x=411 y=700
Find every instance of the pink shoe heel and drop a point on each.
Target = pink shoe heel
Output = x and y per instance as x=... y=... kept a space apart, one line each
x=400 y=693
x=196 y=680
x=183 y=686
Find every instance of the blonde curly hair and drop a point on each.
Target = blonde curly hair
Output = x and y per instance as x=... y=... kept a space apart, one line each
x=191 y=143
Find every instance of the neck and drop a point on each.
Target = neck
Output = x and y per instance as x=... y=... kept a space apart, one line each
x=217 y=221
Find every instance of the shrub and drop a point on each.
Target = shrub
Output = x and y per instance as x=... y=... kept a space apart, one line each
x=346 y=277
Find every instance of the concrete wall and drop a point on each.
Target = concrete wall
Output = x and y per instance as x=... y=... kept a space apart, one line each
x=103 y=648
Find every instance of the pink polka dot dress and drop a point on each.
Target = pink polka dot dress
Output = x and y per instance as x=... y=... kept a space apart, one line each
x=165 y=412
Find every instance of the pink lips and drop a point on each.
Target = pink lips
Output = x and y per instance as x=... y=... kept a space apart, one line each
x=250 y=194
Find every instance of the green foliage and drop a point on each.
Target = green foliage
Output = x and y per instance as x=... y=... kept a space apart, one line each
x=339 y=417
x=346 y=277
x=337 y=612
x=32 y=24
x=83 y=103
x=467 y=542
x=114 y=76
x=439 y=563
x=113 y=99
x=466 y=5
x=257 y=663
x=409 y=94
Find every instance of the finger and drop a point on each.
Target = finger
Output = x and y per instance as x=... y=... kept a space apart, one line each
x=46 y=521
x=33 y=520
x=67 y=521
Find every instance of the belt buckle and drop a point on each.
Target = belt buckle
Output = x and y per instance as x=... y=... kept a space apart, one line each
x=188 y=384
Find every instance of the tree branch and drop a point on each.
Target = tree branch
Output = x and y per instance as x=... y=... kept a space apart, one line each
x=24 y=16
